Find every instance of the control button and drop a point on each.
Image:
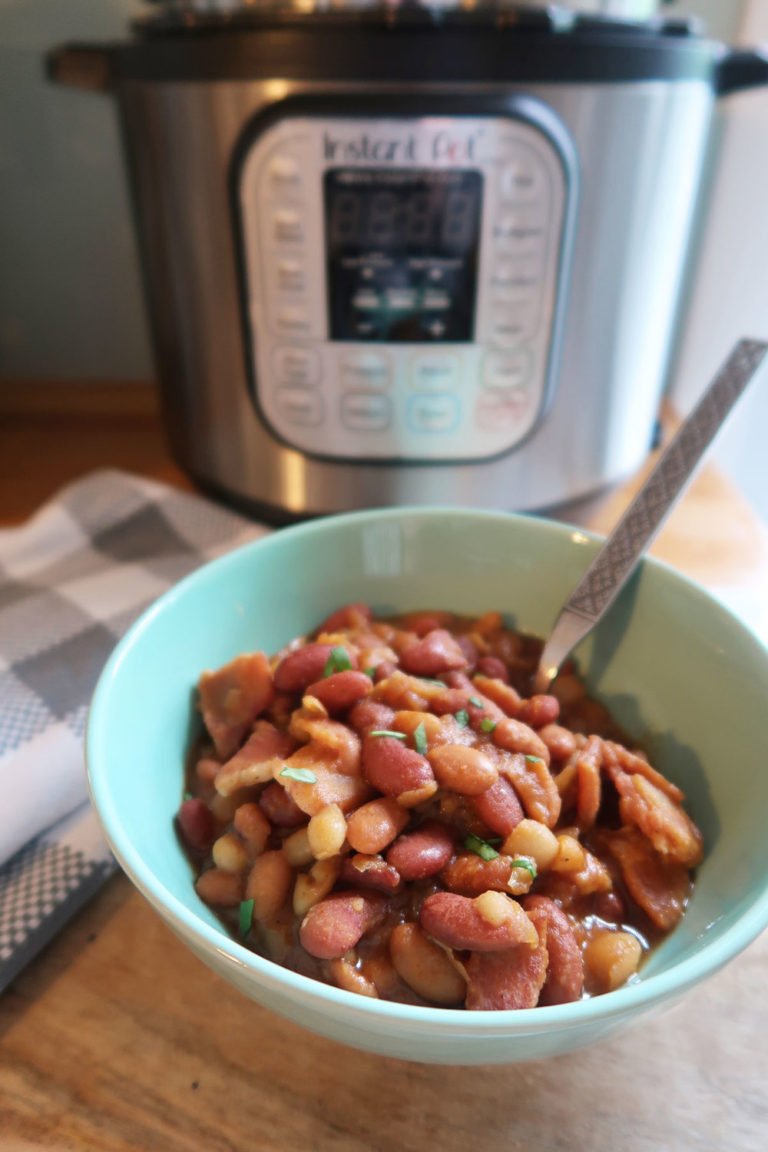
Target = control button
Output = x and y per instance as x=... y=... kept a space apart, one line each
x=436 y=301
x=365 y=411
x=519 y=236
x=515 y=321
x=435 y=372
x=300 y=406
x=288 y=227
x=401 y=298
x=433 y=413
x=507 y=370
x=365 y=370
x=284 y=175
x=290 y=276
x=366 y=300
x=503 y=408
x=523 y=181
x=299 y=366
x=293 y=320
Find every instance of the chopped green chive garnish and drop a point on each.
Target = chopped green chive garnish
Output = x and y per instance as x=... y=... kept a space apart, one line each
x=429 y=680
x=338 y=661
x=245 y=918
x=462 y=717
x=420 y=739
x=525 y=862
x=476 y=702
x=534 y=759
x=388 y=732
x=303 y=775
x=487 y=724
x=371 y=672
x=480 y=847
x=188 y=796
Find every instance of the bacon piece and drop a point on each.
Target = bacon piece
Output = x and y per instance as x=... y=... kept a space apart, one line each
x=255 y=762
x=533 y=783
x=670 y=829
x=588 y=786
x=506 y=980
x=618 y=758
x=233 y=697
x=329 y=786
x=565 y=970
x=659 y=886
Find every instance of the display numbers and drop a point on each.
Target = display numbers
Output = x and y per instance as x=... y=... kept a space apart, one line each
x=407 y=218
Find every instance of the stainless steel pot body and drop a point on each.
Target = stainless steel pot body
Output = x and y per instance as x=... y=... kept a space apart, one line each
x=640 y=149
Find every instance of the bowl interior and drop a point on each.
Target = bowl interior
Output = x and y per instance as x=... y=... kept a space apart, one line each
x=682 y=675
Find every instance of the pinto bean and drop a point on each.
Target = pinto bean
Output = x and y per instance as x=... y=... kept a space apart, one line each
x=346 y=975
x=279 y=806
x=514 y=736
x=269 y=882
x=302 y=667
x=368 y=715
x=219 y=888
x=539 y=710
x=501 y=692
x=560 y=741
x=462 y=769
x=296 y=849
x=423 y=852
x=407 y=722
x=370 y=872
x=326 y=832
x=384 y=670
x=229 y=853
x=612 y=957
x=397 y=771
x=373 y=826
x=481 y=925
x=425 y=967
x=195 y=824
x=565 y=969
x=533 y=839
x=435 y=652
x=338 y=922
x=498 y=807
x=341 y=690
x=313 y=886
x=251 y=823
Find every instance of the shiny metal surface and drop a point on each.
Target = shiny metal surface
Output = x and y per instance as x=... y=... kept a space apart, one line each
x=640 y=148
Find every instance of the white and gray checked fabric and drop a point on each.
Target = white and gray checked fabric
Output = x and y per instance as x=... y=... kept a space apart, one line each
x=72 y=579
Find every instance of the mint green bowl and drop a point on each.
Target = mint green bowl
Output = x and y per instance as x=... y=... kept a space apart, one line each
x=678 y=671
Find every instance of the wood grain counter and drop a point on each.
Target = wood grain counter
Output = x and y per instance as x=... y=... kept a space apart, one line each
x=118 y=1038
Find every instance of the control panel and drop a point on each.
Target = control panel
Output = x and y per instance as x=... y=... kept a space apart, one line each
x=402 y=280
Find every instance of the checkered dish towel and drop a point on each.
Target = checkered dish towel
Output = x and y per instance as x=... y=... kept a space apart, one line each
x=72 y=579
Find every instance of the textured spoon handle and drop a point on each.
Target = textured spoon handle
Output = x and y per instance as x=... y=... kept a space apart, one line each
x=616 y=560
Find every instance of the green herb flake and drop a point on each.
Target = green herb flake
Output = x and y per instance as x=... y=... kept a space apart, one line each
x=429 y=680
x=303 y=775
x=338 y=661
x=188 y=796
x=370 y=673
x=534 y=759
x=488 y=725
x=245 y=918
x=388 y=732
x=462 y=717
x=476 y=702
x=420 y=739
x=480 y=847
x=526 y=863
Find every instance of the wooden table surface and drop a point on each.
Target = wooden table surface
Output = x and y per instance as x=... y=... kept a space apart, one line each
x=118 y=1038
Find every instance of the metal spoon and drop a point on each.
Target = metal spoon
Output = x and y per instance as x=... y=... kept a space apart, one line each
x=618 y=557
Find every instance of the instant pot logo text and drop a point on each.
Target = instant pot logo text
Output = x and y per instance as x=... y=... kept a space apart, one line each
x=441 y=147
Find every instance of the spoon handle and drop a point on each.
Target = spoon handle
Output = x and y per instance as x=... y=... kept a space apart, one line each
x=616 y=560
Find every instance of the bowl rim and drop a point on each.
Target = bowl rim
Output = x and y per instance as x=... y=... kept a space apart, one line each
x=644 y=993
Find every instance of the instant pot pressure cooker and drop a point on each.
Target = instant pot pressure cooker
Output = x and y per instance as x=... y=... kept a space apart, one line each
x=398 y=254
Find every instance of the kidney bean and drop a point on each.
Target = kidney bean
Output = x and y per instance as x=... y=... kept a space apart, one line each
x=195 y=824
x=609 y=906
x=219 y=888
x=384 y=670
x=480 y=925
x=506 y=980
x=424 y=622
x=565 y=969
x=423 y=852
x=425 y=967
x=338 y=922
x=371 y=714
x=372 y=826
x=397 y=771
x=470 y=875
x=469 y=648
x=539 y=710
x=269 y=882
x=279 y=806
x=349 y=616
x=493 y=669
x=499 y=807
x=461 y=769
x=514 y=736
x=436 y=652
x=370 y=872
x=303 y=666
x=313 y=886
x=341 y=690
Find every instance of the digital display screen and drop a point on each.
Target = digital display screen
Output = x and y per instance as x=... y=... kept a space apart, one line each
x=402 y=249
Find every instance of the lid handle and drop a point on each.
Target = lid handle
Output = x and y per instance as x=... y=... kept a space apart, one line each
x=80 y=66
x=737 y=70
